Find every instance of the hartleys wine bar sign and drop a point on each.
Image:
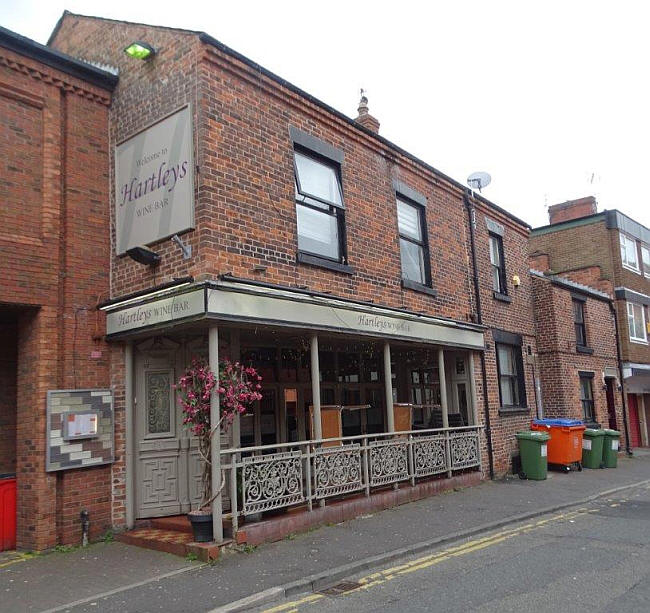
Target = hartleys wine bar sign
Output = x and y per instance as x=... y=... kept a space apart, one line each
x=154 y=182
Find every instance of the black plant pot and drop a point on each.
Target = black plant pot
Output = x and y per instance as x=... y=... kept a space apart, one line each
x=201 y=526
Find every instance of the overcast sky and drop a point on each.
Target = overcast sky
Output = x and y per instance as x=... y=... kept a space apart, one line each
x=551 y=98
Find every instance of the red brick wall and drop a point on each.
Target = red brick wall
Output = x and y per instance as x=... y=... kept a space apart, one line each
x=559 y=361
x=575 y=251
x=245 y=209
x=576 y=247
x=516 y=317
x=54 y=264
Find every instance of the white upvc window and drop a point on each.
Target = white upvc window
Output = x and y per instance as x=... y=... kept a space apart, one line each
x=636 y=322
x=629 y=256
x=645 y=257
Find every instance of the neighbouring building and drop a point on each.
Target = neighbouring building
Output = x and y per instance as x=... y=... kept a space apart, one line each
x=609 y=252
x=54 y=268
x=250 y=220
x=577 y=352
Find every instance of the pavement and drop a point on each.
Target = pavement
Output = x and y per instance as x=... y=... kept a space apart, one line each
x=118 y=577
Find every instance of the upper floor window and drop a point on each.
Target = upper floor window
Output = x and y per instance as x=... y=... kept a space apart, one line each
x=645 y=257
x=629 y=256
x=413 y=242
x=511 y=375
x=497 y=265
x=579 y=322
x=636 y=322
x=587 y=396
x=319 y=207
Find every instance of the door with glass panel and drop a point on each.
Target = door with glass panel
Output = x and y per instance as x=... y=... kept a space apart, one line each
x=164 y=455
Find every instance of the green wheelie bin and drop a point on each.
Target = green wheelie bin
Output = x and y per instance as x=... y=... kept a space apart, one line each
x=592 y=448
x=533 y=453
x=610 y=447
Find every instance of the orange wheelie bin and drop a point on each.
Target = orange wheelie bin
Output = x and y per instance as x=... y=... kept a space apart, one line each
x=565 y=444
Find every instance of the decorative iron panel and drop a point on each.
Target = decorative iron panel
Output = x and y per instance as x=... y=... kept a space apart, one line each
x=464 y=449
x=272 y=481
x=158 y=402
x=429 y=455
x=337 y=470
x=388 y=461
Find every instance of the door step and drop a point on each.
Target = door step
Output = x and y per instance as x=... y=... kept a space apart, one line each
x=177 y=523
x=176 y=542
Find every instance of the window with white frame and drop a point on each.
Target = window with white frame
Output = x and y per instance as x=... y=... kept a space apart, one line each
x=629 y=256
x=645 y=257
x=511 y=375
x=636 y=322
x=413 y=242
x=497 y=265
x=319 y=207
x=587 y=395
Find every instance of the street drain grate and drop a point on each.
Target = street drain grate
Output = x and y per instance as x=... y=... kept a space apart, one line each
x=340 y=588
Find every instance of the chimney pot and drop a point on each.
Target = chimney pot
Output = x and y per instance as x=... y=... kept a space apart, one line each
x=365 y=118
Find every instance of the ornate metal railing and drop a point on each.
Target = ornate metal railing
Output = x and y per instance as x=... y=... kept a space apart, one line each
x=275 y=476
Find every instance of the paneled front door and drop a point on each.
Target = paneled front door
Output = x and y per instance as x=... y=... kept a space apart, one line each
x=167 y=463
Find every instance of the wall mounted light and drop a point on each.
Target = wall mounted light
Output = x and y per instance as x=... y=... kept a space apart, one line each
x=142 y=255
x=140 y=51
x=516 y=281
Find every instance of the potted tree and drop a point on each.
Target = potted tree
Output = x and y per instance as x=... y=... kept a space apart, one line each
x=238 y=387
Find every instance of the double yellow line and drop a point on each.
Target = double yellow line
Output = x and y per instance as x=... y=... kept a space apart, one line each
x=17 y=557
x=430 y=560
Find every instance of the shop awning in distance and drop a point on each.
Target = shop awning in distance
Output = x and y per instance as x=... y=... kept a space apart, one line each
x=238 y=301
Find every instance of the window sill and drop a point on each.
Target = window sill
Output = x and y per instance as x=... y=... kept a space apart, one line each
x=314 y=260
x=418 y=287
x=638 y=341
x=502 y=297
x=585 y=350
x=512 y=411
x=632 y=269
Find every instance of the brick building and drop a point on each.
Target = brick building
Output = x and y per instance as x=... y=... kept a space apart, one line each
x=249 y=220
x=53 y=268
x=609 y=252
x=577 y=352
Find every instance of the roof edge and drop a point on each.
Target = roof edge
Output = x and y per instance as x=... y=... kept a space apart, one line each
x=562 y=225
x=56 y=59
x=66 y=12
x=210 y=40
x=572 y=286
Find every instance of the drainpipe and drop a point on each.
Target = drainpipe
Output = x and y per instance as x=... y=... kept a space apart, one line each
x=479 y=320
x=628 y=449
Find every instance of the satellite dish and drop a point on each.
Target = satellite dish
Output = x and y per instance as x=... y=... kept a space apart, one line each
x=479 y=180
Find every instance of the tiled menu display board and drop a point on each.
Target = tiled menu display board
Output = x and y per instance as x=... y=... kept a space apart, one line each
x=79 y=428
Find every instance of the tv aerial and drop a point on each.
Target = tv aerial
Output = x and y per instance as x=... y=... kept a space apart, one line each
x=479 y=180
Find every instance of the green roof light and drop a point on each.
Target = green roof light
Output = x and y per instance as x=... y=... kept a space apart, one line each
x=140 y=50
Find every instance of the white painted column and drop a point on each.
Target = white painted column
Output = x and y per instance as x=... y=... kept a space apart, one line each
x=235 y=356
x=443 y=404
x=129 y=435
x=472 y=387
x=215 y=447
x=443 y=388
x=388 y=386
x=315 y=387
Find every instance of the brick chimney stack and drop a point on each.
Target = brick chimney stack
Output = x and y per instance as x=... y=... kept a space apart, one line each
x=365 y=118
x=572 y=209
